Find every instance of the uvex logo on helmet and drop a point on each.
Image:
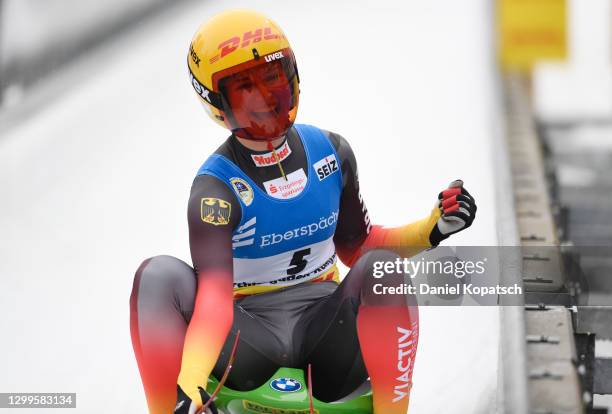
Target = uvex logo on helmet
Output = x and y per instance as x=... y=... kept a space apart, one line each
x=199 y=88
x=252 y=36
x=274 y=56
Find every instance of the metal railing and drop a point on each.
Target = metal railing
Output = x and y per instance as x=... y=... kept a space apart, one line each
x=513 y=395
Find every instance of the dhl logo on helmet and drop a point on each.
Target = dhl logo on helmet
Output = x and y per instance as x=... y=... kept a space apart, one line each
x=225 y=48
x=234 y=43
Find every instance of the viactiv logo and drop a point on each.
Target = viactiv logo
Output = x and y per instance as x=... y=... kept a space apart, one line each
x=285 y=385
x=406 y=349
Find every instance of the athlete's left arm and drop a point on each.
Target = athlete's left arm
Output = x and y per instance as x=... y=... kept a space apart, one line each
x=454 y=211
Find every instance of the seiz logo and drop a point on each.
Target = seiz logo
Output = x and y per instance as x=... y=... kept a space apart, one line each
x=326 y=167
x=252 y=36
x=274 y=56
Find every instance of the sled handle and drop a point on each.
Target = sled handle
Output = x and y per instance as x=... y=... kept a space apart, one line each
x=310 y=402
x=224 y=377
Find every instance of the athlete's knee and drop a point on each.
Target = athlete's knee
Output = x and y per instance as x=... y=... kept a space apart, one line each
x=376 y=258
x=373 y=265
x=384 y=280
x=164 y=277
x=363 y=272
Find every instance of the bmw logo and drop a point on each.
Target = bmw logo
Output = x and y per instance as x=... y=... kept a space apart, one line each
x=285 y=385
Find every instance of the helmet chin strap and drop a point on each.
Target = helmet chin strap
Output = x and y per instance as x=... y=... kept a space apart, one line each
x=277 y=158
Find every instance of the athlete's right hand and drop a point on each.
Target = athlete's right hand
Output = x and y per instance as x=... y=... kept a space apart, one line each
x=184 y=404
x=457 y=210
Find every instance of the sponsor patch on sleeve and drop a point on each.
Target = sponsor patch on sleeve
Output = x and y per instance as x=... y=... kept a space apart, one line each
x=243 y=189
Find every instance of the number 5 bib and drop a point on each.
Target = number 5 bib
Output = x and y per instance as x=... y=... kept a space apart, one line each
x=285 y=236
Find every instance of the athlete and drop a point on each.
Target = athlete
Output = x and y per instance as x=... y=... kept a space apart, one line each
x=269 y=214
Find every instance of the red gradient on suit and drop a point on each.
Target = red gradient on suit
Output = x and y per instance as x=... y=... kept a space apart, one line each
x=208 y=329
x=405 y=240
x=388 y=336
x=158 y=354
x=167 y=351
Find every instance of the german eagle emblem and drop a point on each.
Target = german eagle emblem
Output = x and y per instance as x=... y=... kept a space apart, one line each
x=215 y=211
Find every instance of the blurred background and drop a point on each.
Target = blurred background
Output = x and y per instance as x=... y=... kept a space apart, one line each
x=40 y=38
x=101 y=135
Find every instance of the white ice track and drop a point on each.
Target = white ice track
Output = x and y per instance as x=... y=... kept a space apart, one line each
x=95 y=178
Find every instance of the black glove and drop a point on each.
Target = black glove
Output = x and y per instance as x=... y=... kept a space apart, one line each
x=458 y=210
x=184 y=405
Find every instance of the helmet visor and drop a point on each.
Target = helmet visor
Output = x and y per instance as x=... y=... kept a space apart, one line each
x=260 y=96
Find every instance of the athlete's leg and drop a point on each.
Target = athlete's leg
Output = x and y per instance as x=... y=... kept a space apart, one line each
x=327 y=333
x=162 y=295
x=387 y=328
x=161 y=306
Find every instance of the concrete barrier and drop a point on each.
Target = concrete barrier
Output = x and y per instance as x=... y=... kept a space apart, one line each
x=38 y=36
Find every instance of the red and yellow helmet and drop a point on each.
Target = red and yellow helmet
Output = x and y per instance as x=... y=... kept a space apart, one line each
x=243 y=69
